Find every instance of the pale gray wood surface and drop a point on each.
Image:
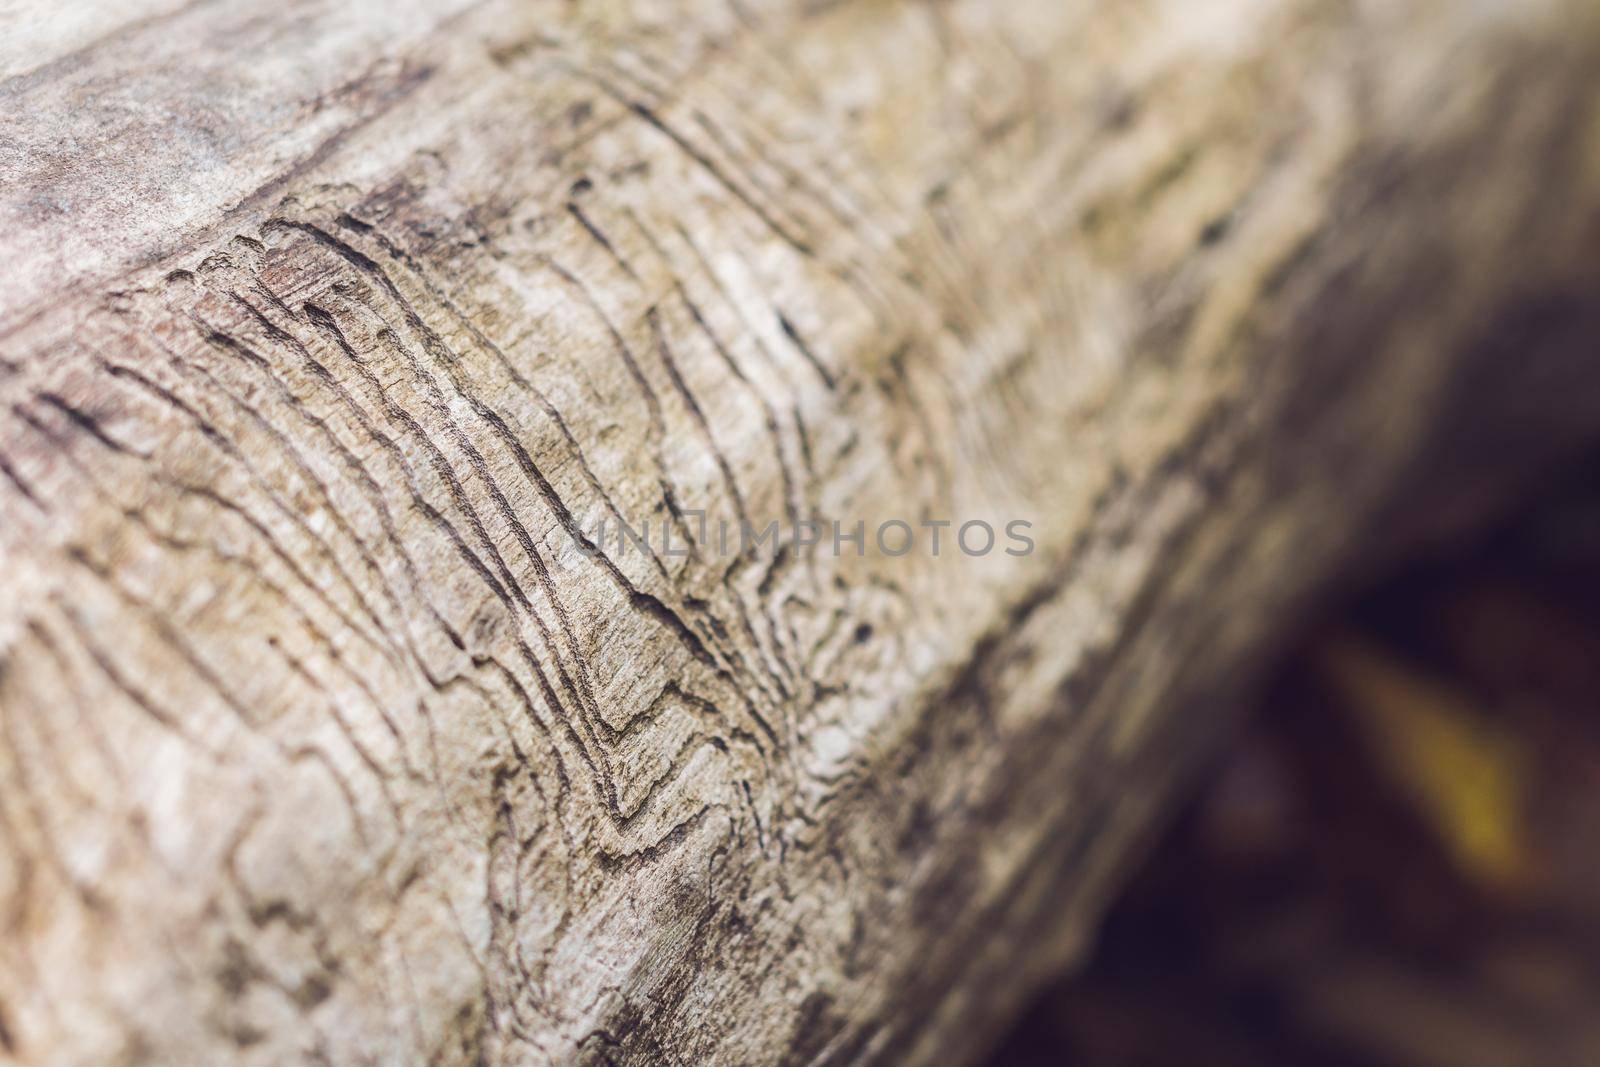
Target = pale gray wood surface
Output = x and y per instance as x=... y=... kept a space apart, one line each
x=324 y=326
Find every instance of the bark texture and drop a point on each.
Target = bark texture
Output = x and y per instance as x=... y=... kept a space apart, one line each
x=328 y=332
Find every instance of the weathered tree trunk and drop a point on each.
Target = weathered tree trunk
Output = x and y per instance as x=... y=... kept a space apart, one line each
x=330 y=334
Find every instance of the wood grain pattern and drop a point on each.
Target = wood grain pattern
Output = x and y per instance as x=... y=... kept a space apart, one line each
x=329 y=332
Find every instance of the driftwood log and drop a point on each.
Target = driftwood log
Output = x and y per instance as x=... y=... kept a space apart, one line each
x=331 y=335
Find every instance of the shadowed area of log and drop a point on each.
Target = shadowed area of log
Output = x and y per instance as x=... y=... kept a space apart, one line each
x=1392 y=865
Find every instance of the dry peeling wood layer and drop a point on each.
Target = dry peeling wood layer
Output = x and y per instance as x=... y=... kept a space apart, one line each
x=326 y=331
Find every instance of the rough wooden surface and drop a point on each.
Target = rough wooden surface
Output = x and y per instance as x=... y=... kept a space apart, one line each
x=325 y=329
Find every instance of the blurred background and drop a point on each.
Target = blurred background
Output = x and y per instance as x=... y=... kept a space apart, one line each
x=1400 y=864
